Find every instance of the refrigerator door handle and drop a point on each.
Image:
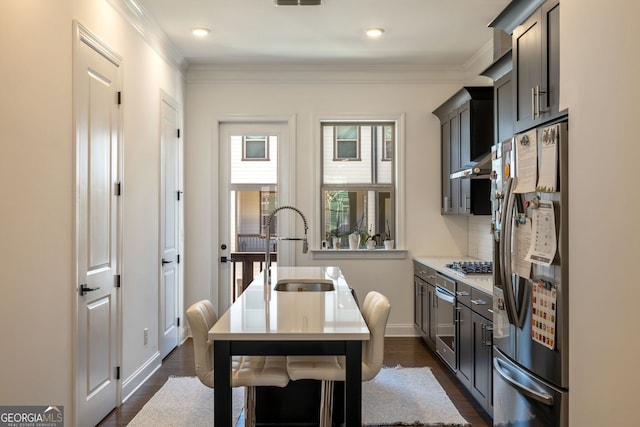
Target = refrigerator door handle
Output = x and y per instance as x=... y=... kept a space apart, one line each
x=505 y=252
x=544 y=398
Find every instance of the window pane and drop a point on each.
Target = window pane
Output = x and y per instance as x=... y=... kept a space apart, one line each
x=388 y=142
x=347 y=150
x=347 y=132
x=255 y=150
x=368 y=212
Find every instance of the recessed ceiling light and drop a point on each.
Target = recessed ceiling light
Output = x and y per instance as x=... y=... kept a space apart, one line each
x=375 y=32
x=200 y=31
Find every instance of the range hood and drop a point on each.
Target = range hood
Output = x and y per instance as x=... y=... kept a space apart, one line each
x=475 y=169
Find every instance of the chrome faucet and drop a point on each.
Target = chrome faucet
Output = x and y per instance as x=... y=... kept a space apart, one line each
x=305 y=244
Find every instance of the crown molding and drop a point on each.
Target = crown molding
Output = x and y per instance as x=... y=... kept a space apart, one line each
x=331 y=74
x=147 y=28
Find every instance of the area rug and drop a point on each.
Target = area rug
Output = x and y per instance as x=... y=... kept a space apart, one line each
x=182 y=402
x=407 y=396
x=396 y=396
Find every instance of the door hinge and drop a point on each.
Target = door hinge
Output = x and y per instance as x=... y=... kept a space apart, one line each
x=179 y=194
x=118 y=189
x=178 y=132
x=178 y=321
x=117 y=372
x=119 y=98
x=117 y=283
x=178 y=259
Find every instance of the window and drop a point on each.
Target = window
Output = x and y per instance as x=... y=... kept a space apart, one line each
x=389 y=134
x=255 y=148
x=347 y=143
x=358 y=196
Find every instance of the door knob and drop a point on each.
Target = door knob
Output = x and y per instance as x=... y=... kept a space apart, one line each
x=84 y=289
x=164 y=261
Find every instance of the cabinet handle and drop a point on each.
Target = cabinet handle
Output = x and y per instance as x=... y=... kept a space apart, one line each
x=533 y=103
x=539 y=91
x=462 y=293
x=482 y=331
x=478 y=302
x=467 y=202
x=489 y=342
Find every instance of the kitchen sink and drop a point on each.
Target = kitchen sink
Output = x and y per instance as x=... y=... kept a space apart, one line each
x=304 y=285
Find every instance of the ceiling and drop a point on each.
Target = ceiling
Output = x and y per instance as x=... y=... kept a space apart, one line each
x=417 y=32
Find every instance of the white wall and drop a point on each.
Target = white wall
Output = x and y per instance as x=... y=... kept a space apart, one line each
x=37 y=293
x=311 y=94
x=600 y=66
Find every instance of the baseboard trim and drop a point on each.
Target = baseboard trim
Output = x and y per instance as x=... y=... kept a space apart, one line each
x=400 y=330
x=131 y=384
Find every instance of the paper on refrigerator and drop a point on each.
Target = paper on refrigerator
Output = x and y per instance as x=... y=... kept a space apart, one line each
x=543 y=235
x=526 y=146
x=521 y=245
x=547 y=181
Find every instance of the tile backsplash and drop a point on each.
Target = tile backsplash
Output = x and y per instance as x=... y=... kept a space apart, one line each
x=479 y=244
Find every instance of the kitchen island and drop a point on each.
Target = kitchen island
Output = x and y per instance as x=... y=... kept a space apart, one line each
x=264 y=321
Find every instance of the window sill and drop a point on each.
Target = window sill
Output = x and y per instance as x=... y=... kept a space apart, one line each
x=359 y=254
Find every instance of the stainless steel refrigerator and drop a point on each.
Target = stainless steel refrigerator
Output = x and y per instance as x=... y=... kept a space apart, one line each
x=531 y=283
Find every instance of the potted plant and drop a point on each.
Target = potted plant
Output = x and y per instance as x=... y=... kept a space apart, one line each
x=388 y=241
x=359 y=236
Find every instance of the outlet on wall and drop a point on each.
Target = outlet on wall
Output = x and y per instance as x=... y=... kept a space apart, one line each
x=146 y=336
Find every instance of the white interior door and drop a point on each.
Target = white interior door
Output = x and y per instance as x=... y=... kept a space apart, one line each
x=96 y=83
x=238 y=172
x=170 y=197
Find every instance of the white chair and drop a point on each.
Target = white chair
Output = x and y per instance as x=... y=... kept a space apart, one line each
x=328 y=369
x=246 y=371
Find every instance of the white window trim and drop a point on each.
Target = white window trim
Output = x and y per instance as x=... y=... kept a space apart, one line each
x=400 y=180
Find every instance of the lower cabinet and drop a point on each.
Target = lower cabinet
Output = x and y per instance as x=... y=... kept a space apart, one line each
x=423 y=299
x=474 y=331
x=481 y=380
x=474 y=334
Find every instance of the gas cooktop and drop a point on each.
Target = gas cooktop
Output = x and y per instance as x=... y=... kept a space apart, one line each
x=471 y=267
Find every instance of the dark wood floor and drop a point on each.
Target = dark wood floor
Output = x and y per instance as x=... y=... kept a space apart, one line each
x=407 y=352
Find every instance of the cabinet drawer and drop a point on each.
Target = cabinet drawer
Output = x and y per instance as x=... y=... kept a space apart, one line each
x=482 y=303
x=427 y=274
x=463 y=294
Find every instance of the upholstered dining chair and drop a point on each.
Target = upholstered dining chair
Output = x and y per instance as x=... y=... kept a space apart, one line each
x=375 y=311
x=246 y=371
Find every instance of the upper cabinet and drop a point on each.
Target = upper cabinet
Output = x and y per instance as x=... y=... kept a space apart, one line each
x=501 y=74
x=466 y=123
x=536 y=70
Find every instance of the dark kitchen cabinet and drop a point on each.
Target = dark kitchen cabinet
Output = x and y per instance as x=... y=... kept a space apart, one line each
x=482 y=330
x=466 y=123
x=501 y=74
x=536 y=67
x=474 y=334
x=465 y=344
x=424 y=313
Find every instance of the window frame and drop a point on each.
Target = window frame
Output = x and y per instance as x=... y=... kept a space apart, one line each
x=390 y=188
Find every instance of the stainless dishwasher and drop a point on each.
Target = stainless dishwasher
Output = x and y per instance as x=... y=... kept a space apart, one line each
x=446 y=319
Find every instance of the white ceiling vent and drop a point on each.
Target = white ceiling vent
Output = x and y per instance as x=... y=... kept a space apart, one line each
x=298 y=2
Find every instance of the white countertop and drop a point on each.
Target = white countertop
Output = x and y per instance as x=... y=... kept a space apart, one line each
x=262 y=313
x=480 y=282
